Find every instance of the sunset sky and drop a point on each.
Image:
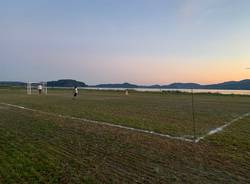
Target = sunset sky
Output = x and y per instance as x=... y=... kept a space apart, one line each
x=136 y=41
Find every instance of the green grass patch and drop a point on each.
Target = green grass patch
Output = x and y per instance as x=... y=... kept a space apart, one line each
x=169 y=113
x=36 y=148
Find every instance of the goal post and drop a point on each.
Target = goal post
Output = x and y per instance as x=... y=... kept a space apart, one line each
x=35 y=86
x=29 y=90
x=45 y=89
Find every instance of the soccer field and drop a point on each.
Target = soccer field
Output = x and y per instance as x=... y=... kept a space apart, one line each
x=166 y=113
x=40 y=148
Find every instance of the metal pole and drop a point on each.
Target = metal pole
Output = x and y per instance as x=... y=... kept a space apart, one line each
x=193 y=115
x=46 y=88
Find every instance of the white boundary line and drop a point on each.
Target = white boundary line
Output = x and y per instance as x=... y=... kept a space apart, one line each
x=221 y=128
x=214 y=131
x=101 y=123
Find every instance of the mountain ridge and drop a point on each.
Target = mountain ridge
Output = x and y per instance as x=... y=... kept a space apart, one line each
x=229 y=85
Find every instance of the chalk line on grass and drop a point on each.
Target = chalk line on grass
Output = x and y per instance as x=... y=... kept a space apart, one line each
x=214 y=131
x=221 y=128
x=101 y=123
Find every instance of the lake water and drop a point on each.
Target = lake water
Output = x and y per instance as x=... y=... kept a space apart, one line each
x=238 y=92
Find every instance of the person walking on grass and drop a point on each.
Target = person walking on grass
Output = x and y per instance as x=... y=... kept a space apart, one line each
x=75 y=92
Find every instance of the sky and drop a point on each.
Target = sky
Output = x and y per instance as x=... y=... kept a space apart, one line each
x=114 y=41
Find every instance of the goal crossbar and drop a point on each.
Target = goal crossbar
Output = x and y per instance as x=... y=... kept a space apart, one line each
x=37 y=86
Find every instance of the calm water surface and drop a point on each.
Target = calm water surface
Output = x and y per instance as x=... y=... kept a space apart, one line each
x=238 y=92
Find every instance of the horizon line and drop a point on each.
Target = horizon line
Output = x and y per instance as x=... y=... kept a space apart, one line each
x=132 y=83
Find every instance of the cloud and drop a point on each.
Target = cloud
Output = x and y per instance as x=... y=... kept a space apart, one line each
x=193 y=9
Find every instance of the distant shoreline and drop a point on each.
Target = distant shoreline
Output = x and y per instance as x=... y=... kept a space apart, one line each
x=159 y=90
x=200 y=91
x=152 y=90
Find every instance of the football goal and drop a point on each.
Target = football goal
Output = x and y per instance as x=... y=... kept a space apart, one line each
x=40 y=88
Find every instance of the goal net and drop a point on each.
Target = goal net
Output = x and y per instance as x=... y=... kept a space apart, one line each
x=37 y=88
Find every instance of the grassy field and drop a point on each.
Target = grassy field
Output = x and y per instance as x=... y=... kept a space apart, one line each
x=42 y=149
x=168 y=113
x=37 y=148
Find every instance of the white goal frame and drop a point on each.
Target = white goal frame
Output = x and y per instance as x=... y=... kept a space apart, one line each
x=34 y=86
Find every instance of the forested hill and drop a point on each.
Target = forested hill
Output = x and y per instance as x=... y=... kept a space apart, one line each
x=233 y=85
x=11 y=83
x=66 y=83
x=58 y=83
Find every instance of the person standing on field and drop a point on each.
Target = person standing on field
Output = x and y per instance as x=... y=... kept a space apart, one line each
x=40 y=88
x=75 y=92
